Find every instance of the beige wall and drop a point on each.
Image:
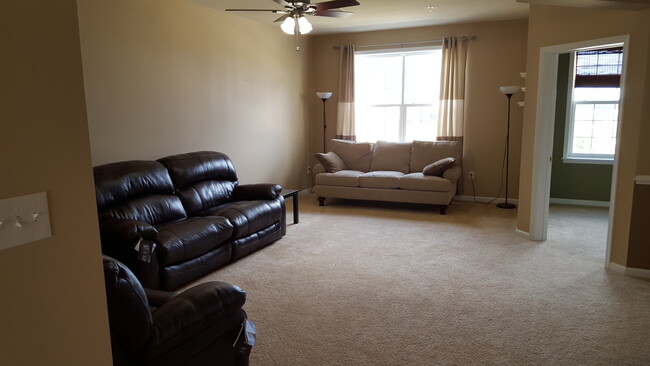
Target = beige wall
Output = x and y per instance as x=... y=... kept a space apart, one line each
x=52 y=301
x=166 y=76
x=495 y=59
x=550 y=26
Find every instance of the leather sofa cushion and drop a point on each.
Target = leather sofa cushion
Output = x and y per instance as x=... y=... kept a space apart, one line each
x=421 y=182
x=203 y=196
x=391 y=156
x=187 y=169
x=344 y=178
x=380 y=179
x=249 y=217
x=152 y=209
x=138 y=190
x=202 y=179
x=355 y=155
x=184 y=240
x=426 y=152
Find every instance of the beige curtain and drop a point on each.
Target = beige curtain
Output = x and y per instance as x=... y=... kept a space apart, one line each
x=345 y=120
x=451 y=118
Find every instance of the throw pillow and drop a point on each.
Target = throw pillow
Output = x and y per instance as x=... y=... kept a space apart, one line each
x=331 y=162
x=438 y=167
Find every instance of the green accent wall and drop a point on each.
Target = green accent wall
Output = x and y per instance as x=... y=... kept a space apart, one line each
x=590 y=182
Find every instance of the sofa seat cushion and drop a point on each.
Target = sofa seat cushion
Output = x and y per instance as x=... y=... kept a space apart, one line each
x=184 y=240
x=249 y=217
x=343 y=178
x=380 y=179
x=421 y=182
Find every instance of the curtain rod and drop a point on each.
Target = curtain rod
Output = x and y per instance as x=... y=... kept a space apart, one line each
x=402 y=44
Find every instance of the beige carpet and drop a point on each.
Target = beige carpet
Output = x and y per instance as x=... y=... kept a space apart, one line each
x=383 y=284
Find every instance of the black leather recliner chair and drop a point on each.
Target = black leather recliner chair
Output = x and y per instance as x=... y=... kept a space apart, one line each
x=200 y=326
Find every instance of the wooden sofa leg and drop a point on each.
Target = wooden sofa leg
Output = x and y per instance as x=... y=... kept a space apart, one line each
x=443 y=209
x=321 y=201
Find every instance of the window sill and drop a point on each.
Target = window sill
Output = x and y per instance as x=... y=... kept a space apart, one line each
x=600 y=161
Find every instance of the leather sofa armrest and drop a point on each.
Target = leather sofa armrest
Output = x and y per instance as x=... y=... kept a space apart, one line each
x=262 y=191
x=452 y=173
x=127 y=231
x=158 y=298
x=192 y=310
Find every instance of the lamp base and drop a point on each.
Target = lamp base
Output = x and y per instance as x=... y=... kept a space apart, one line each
x=506 y=205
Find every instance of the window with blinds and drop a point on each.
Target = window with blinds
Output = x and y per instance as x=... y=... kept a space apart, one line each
x=594 y=95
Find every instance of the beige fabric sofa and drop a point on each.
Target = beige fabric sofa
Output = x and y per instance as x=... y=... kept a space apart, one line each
x=390 y=171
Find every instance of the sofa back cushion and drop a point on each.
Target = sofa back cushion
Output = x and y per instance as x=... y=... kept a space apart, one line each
x=137 y=190
x=426 y=152
x=392 y=156
x=202 y=179
x=355 y=155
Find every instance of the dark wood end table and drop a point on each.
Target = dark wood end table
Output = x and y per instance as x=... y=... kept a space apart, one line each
x=293 y=193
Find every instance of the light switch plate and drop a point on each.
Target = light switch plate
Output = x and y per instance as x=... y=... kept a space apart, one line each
x=24 y=219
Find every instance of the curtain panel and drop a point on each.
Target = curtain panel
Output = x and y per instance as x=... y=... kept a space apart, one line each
x=345 y=120
x=451 y=120
x=451 y=117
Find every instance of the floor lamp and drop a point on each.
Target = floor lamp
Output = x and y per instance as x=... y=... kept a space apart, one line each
x=508 y=91
x=324 y=96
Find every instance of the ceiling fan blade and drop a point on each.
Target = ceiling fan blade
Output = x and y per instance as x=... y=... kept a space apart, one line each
x=333 y=13
x=335 y=4
x=274 y=11
x=283 y=3
x=285 y=16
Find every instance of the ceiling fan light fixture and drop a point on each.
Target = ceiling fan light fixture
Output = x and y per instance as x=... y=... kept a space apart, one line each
x=288 y=26
x=304 y=26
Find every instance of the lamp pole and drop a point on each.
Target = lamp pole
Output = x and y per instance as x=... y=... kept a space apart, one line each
x=508 y=91
x=324 y=96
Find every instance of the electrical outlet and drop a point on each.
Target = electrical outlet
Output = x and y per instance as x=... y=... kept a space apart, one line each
x=471 y=175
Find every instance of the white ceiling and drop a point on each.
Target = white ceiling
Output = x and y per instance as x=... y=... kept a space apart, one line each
x=392 y=14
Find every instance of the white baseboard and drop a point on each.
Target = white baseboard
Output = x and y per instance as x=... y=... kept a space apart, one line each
x=485 y=199
x=629 y=271
x=523 y=234
x=642 y=179
x=567 y=201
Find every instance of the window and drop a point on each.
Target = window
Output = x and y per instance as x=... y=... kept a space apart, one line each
x=593 y=115
x=397 y=94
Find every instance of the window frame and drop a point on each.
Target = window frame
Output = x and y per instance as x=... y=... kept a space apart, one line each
x=568 y=156
x=403 y=106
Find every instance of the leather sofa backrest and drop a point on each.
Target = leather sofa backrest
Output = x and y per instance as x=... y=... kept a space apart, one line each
x=128 y=308
x=137 y=190
x=202 y=179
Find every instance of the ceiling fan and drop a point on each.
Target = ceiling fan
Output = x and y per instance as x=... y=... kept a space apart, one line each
x=293 y=14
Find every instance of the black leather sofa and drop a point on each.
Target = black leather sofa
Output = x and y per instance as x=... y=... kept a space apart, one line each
x=174 y=220
x=200 y=326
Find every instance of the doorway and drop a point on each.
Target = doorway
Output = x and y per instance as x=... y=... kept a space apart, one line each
x=544 y=128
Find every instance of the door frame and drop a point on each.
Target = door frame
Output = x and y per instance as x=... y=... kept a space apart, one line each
x=545 y=124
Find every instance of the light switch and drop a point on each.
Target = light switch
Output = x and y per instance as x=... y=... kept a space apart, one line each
x=24 y=219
